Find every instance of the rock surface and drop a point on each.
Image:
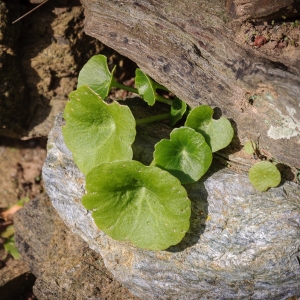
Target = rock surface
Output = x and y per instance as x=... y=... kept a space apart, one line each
x=242 y=244
x=65 y=267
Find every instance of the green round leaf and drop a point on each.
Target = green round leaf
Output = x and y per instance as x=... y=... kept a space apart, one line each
x=97 y=132
x=96 y=75
x=249 y=147
x=146 y=86
x=186 y=155
x=264 y=175
x=178 y=109
x=217 y=133
x=144 y=205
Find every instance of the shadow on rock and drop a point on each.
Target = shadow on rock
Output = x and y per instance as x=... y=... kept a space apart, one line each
x=199 y=205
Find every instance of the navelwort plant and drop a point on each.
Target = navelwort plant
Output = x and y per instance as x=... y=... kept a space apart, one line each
x=145 y=205
x=264 y=174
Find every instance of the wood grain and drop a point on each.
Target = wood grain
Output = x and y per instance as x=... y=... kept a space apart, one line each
x=189 y=47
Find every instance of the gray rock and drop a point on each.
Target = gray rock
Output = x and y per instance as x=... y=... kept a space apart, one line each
x=34 y=227
x=242 y=244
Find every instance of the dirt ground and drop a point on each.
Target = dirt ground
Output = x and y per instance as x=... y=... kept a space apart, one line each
x=276 y=40
x=20 y=169
x=20 y=179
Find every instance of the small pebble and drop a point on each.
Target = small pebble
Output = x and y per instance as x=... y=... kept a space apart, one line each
x=282 y=44
x=260 y=41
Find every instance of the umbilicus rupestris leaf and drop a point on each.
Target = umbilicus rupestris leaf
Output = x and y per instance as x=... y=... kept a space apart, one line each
x=186 y=155
x=250 y=147
x=97 y=132
x=96 y=75
x=178 y=109
x=217 y=133
x=143 y=205
x=146 y=86
x=264 y=175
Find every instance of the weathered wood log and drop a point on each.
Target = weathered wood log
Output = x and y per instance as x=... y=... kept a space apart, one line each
x=191 y=48
x=267 y=9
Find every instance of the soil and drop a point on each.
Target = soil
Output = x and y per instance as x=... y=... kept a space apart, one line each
x=20 y=178
x=275 y=40
x=20 y=169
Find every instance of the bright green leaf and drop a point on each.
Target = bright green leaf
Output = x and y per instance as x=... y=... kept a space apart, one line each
x=186 y=155
x=146 y=86
x=250 y=147
x=96 y=75
x=178 y=109
x=217 y=133
x=264 y=175
x=11 y=248
x=144 y=205
x=97 y=132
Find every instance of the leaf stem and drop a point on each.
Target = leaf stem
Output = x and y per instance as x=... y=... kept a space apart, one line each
x=125 y=87
x=152 y=119
x=135 y=91
x=163 y=99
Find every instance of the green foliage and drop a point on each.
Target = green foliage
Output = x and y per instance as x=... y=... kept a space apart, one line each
x=146 y=86
x=8 y=232
x=144 y=205
x=10 y=247
x=186 y=155
x=178 y=110
x=250 y=147
x=9 y=244
x=96 y=75
x=97 y=132
x=217 y=133
x=264 y=175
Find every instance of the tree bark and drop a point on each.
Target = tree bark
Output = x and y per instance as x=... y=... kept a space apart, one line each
x=191 y=47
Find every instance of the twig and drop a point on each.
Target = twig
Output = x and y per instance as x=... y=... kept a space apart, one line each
x=30 y=11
